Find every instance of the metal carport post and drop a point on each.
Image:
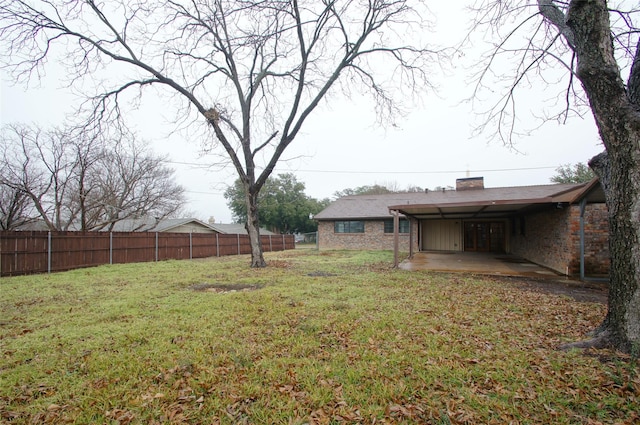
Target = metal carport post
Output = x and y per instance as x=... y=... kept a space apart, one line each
x=396 y=237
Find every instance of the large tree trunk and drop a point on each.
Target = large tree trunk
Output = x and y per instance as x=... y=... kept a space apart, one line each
x=617 y=115
x=621 y=327
x=253 y=229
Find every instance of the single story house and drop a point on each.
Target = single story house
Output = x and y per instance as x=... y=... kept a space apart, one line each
x=560 y=226
x=167 y=225
x=236 y=229
x=182 y=225
x=146 y=224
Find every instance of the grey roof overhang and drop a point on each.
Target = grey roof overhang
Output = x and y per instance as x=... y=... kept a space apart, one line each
x=502 y=208
x=487 y=203
x=592 y=192
x=466 y=210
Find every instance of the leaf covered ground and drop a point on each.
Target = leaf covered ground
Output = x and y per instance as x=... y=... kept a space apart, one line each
x=315 y=338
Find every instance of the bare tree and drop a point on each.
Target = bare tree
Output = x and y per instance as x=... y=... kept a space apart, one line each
x=90 y=156
x=15 y=208
x=38 y=164
x=588 y=47
x=77 y=180
x=134 y=184
x=252 y=71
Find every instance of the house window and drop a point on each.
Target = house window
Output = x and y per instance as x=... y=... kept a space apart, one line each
x=402 y=228
x=348 y=226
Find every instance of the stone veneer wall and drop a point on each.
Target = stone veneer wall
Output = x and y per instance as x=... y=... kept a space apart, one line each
x=552 y=239
x=373 y=237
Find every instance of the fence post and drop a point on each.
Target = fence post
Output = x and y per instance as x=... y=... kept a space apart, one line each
x=156 y=246
x=238 y=243
x=217 y=246
x=190 y=246
x=284 y=243
x=270 y=244
x=110 y=247
x=49 y=252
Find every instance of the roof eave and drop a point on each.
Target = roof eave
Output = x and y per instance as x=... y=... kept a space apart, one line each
x=588 y=189
x=406 y=207
x=377 y=217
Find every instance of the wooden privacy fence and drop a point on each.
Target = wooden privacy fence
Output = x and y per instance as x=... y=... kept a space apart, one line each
x=46 y=252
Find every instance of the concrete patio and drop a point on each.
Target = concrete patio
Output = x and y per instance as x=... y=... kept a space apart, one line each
x=476 y=262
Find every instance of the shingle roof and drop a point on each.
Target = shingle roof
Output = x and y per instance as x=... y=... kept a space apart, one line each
x=236 y=229
x=366 y=206
x=135 y=225
x=150 y=224
x=166 y=225
x=377 y=206
x=171 y=223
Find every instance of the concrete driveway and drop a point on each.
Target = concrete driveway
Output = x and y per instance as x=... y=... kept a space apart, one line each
x=476 y=262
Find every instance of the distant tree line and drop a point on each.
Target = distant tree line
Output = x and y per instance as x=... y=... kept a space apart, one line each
x=69 y=179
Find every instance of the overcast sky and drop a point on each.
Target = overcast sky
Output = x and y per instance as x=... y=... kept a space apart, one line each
x=341 y=146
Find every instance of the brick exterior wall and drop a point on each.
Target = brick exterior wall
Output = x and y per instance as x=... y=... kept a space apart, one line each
x=596 y=256
x=544 y=241
x=373 y=237
x=470 y=183
x=552 y=238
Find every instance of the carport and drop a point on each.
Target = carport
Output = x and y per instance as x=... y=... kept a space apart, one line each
x=476 y=206
x=476 y=262
x=510 y=206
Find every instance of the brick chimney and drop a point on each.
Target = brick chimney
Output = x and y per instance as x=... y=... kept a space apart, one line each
x=470 y=183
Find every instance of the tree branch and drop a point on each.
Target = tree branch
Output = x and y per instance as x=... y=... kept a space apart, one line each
x=554 y=15
x=633 y=83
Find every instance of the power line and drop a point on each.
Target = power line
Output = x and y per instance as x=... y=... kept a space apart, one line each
x=550 y=167
x=384 y=172
x=191 y=164
x=426 y=172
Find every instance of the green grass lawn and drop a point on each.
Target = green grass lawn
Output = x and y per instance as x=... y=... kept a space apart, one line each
x=317 y=338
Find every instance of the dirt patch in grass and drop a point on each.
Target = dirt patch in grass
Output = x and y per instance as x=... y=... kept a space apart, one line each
x=225 y=287
x=596 y=292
